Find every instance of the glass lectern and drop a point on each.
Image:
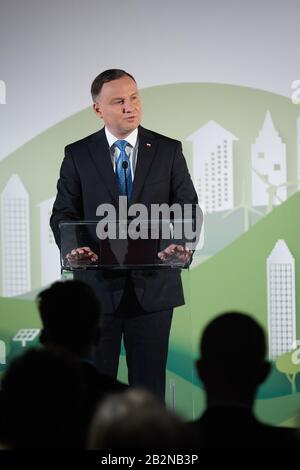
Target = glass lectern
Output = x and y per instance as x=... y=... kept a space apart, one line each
x=123 y=244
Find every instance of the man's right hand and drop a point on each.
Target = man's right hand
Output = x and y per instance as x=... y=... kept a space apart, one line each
x=80 y=257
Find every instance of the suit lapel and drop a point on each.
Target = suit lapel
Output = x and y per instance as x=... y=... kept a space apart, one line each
x=100 y=153
x=146 y=153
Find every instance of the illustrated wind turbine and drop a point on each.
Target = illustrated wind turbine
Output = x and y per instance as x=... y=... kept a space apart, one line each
x=273 y=188
x=247 y=209
x=289 y=184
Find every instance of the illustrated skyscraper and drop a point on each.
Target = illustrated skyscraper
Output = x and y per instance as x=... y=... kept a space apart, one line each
x=268 y=159
x=281 y=300
x=15 y=241
x=213 y=167
x=2 y=92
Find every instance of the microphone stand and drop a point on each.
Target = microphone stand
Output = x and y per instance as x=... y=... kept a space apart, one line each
x=125 y=166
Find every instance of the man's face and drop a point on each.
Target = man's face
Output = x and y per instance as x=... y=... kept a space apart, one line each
x=119 y=105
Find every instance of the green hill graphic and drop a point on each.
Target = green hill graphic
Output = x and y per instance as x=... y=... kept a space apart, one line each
x=176 y=110
x=234 y=278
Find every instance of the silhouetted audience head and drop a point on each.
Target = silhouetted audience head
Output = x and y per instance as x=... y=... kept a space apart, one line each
x=232 y=357
x=70 y=314
x=41 y=402
x=134 y=421
x=232 y=365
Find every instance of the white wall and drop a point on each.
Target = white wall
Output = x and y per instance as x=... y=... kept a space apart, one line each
x=51 y=50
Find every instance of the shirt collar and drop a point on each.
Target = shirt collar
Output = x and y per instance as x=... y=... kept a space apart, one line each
x=131 y=138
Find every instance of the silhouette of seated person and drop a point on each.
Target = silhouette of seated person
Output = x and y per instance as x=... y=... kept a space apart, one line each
x=135 y=421
x=71 y=321
x=231 y=366
x=42 y=403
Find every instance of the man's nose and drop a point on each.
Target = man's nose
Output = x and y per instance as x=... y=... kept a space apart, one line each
x=128 y=107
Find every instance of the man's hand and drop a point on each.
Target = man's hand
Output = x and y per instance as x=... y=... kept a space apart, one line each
x=175 y=253
x=82 y=256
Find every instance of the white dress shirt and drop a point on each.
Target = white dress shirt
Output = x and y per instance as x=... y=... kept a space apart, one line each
x=131 y=150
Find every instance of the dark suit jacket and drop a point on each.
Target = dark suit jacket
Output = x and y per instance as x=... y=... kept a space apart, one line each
x=87 y=179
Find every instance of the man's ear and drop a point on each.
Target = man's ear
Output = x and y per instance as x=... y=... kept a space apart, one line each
x=97 y=110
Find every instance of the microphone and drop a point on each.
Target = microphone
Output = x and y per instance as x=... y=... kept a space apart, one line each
x=125 y=166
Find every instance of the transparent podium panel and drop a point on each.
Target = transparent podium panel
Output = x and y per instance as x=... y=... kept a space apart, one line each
x=125 y=246
x=128 y=244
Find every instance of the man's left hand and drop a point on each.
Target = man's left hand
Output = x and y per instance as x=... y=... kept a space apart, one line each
x=175 y=252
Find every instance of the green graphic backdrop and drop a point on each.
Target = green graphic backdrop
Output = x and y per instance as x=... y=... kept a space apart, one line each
x=230 y=274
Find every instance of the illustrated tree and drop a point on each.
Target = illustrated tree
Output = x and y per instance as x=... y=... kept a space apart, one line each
x=289 y=364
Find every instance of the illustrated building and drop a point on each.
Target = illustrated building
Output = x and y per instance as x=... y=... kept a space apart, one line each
x=281 y=300
x=213 y=167
x=15 y=240
x=2 y=352
x=50 y=258
x=268 y=159
x=2 y=92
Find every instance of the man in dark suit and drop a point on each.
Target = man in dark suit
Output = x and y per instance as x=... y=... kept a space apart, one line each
x=137 y=305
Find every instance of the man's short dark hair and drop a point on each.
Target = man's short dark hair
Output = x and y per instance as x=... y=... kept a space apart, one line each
x=70 y=312
x=233 y=338
x=105 y=77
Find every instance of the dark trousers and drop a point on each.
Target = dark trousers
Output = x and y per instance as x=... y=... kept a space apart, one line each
x=146 y=340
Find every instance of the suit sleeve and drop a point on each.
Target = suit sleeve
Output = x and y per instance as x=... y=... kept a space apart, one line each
x=183 y=193
x=68 y=203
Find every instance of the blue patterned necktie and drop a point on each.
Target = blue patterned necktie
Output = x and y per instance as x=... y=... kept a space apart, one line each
x=120 y=171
